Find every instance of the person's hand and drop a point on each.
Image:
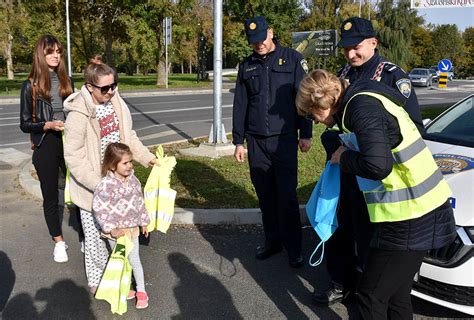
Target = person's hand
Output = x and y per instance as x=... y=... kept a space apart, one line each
x=336 y=156
x=56 y=125
x=155 y=162
x=305 y=145
x=117 y=233
x=239 y=153
x=145 y=232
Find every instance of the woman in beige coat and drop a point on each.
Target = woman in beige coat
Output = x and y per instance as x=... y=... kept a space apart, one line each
x=97 y=116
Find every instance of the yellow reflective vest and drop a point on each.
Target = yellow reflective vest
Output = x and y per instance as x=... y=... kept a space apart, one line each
x=415 y=186
x=158 y=195
x=115 y=283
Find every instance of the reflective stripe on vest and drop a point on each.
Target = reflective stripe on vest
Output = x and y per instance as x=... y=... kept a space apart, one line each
x=415 y=185
x=117 y=277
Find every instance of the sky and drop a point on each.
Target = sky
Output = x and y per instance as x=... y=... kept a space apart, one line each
x=462 y=17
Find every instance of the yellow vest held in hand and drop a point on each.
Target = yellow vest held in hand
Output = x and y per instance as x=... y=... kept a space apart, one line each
x=415 y=186
x=159 y=197
x=117 y=277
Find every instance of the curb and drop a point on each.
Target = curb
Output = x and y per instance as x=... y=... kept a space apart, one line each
x=182 y=216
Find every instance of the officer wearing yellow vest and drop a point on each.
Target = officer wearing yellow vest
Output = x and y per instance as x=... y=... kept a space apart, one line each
x=409 y=211
x=347 y=249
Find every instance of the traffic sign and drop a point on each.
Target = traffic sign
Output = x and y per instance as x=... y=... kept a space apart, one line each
x=445 y=65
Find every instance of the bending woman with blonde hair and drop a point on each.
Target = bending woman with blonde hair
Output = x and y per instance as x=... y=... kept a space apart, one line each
x=407 y=198
x=97 y=117
x=42 y=116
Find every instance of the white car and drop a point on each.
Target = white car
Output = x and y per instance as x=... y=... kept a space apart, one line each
x=446 y=276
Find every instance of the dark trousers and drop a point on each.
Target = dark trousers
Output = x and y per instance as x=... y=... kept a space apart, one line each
x=48 y=159
x=385 y=285
x=348 y=247
x=273 y=165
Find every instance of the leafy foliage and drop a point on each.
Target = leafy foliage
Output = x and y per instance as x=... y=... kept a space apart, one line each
x=129 y=34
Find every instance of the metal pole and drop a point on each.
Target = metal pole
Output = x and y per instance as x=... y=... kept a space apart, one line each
x=360 y=7
x=68 y=40
x=217 y=132
x=165 y=35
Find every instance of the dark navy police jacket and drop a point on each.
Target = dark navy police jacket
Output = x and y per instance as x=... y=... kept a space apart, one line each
x=264 y=101
x=393 y=76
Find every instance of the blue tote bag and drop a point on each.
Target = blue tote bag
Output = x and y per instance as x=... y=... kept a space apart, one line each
x=322 y=206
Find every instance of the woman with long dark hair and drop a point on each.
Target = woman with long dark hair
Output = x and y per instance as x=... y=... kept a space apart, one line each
x=42 y=116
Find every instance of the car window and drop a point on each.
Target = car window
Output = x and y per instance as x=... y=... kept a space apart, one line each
x=455 y=126
x=419 y=71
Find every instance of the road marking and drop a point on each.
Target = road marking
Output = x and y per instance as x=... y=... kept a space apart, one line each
x=175 y=123
x=14 y=144
x=179 y=110
x=12 y=156
x=158 y=135
x=161 y=102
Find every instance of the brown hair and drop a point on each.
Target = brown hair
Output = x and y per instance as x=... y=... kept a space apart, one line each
x=94 y=71
x=113 y=155
x=319 y=90
x=39 y=73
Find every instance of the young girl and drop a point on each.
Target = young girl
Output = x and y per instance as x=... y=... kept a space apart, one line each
x=119 y=209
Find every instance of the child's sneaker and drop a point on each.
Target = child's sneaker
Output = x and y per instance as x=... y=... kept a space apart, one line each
x=142 y=300
x=131 y=294
x=60 y=254
x=83 y=248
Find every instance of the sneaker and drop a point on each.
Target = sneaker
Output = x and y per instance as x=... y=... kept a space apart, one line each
x=82 y=246
x=142 y=300
x=60 y=254
x=131 y=294
x=330 y=297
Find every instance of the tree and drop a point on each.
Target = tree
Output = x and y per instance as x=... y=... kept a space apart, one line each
x=467 y=69
x=448 y=43
x=11 y=16
x=423 y=48
x=394 y=23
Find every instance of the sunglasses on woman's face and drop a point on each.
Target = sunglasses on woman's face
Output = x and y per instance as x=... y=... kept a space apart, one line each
x=105 y=89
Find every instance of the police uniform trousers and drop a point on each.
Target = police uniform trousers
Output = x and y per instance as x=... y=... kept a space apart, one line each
x=48 y=159
x=273 y=165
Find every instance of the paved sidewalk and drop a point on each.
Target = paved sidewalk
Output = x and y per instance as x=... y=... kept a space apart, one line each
x=193 y=272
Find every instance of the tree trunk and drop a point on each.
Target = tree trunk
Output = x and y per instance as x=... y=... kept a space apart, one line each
x=182 y=67
x=190 y=66
x=161 y=77
x=8 y=57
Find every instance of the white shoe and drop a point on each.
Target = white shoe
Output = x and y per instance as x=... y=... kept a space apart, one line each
x=82 y=246
x=60 y=254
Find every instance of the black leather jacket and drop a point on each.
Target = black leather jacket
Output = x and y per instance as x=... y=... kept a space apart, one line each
x=44 y=112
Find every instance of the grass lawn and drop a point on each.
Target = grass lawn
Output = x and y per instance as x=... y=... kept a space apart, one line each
x=13 y=87
x=223 y=183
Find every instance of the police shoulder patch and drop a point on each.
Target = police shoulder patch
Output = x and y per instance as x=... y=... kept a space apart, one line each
x=304 y=65
x=404 y=86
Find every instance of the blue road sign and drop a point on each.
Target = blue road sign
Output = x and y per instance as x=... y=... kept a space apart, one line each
x=445 y=65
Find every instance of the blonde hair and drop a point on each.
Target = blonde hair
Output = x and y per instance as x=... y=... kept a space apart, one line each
x=113 y=155
x=94 y=71
x=319 y=90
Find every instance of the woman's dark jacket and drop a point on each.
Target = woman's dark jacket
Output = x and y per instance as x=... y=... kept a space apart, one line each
x=377 y=132
x=43 y=110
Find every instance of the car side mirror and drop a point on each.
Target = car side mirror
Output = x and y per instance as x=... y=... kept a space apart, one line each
x=426 y=122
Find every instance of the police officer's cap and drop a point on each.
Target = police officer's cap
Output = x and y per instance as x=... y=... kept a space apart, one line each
x=354 y=30
x=256 y=29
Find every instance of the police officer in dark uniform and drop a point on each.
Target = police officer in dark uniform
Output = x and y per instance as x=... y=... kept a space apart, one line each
x=347 y=248
x=265 y=116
